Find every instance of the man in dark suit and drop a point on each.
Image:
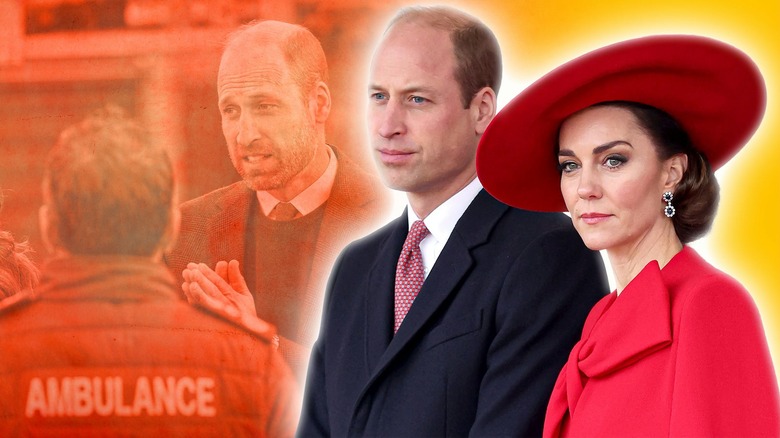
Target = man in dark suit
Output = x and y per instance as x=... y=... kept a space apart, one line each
x=504 y=292
x=301 y=200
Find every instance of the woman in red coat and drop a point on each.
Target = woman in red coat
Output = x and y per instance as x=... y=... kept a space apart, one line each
x=637 y=129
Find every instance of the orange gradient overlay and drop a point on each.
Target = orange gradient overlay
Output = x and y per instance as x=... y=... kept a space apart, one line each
x=168 y=81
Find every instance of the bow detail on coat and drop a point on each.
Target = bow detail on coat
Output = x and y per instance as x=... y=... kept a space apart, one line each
x=618 y=332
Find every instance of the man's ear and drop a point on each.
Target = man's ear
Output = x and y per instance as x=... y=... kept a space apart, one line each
x=320 y=102
x=47 y=222
x=174 y=225
x=168 y=239
x=483 y=106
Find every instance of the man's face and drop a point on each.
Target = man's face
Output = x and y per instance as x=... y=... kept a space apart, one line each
x=268 y=125
x=423 y=140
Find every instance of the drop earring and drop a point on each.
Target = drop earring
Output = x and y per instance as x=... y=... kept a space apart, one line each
x=669 y=209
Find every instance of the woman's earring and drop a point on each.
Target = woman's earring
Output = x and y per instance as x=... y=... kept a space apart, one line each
x=669 y=209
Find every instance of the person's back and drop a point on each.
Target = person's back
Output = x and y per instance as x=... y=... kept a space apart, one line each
x=104 y=346
x=107 y=346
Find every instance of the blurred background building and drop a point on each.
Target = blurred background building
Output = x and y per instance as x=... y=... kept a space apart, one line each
x=158 y=59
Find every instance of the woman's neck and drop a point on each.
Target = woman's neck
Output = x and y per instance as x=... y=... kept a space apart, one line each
x=628 y=260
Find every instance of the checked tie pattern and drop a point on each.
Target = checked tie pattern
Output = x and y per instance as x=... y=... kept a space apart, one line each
x=409 y=273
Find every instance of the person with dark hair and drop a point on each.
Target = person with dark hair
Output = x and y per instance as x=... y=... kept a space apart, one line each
x=626 y=138
x=453 y=319
x=18 y=273
x=105 y=345
x=300 y=200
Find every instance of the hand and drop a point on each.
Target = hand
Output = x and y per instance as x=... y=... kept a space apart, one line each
x=223 y=289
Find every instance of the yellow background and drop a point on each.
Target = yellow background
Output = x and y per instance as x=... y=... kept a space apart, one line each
x=538 y=35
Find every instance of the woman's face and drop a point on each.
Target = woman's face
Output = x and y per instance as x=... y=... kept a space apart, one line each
x=612 y=179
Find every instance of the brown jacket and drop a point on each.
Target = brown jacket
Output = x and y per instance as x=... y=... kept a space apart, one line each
x=214 y=228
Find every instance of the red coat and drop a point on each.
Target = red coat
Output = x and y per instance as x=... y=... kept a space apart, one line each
x=681 y=352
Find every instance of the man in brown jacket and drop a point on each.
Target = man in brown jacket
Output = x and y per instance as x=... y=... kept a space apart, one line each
x=301 y=200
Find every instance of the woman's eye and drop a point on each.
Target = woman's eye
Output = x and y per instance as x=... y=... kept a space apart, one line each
x=614 y=161
x=567 y=166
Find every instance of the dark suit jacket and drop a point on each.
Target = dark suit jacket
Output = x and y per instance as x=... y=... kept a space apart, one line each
x=213 y=228
x=479 y=350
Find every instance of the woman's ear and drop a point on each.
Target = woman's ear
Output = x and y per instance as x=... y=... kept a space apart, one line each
x=675 y=167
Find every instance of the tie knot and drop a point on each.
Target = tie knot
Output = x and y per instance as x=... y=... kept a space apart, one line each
x=283 y=211
x=417 y=233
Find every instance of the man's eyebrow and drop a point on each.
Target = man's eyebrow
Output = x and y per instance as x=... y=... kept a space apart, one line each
x=251 y=96
x=412 y=89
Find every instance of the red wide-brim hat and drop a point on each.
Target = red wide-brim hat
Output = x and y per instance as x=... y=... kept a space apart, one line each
x=712 y=89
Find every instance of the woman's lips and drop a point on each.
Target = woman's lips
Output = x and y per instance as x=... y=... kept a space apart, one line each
x=594 y=218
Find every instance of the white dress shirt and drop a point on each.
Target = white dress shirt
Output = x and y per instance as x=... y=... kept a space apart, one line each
x=311 y=197
x=442 y=221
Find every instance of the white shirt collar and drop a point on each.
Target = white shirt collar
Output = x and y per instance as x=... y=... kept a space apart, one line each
x=442 y=220
x=311 y=197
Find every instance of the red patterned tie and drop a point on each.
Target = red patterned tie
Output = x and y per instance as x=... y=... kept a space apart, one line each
x=409 y=273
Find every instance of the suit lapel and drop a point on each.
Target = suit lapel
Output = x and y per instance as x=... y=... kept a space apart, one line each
x=454 y=263
x=344 y=212
x=229 y=225
x=334 y=229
